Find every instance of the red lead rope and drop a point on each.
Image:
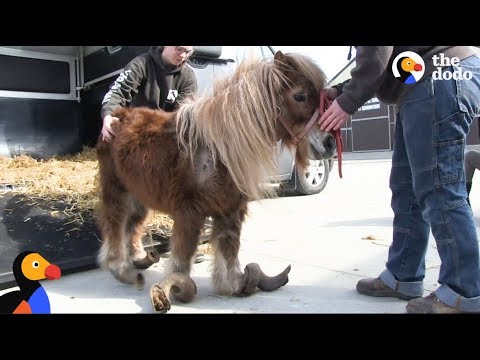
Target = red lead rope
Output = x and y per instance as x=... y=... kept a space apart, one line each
x=325 y=103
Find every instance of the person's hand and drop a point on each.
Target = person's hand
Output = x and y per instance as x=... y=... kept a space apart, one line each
x=333 y=118
x=331 y=93
x=107 y=131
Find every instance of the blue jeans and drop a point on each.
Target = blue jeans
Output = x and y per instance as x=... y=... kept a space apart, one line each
x=427 y=180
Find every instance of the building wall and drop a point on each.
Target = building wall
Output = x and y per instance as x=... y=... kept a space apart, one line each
x=372 y=128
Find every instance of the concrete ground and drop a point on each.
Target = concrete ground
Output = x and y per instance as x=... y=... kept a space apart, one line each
x=331 y=240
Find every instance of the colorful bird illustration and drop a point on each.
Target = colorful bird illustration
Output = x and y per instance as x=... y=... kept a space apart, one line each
x=405 y=66
x=28 y=268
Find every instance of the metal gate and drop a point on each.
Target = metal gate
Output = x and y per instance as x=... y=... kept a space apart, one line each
x=372 y=127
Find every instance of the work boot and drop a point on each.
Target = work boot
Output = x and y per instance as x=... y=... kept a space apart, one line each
x=430 y=304
x=469 y=188
x=376 y=287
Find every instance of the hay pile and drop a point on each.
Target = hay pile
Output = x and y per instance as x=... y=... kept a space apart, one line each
x=67 y=184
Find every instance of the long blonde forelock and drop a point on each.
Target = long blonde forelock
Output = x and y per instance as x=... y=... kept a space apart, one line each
x=238 y=124
x=308 y=68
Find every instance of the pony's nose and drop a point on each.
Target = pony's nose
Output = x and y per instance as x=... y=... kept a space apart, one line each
x=329 y=144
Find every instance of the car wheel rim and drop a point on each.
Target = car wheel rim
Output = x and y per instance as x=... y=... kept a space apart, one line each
x=314 y=172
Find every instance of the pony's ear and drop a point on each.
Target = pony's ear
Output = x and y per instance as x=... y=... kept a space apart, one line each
x=281 y=62
x=279 y=57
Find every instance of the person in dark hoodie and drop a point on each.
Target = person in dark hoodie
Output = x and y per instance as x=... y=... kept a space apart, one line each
x=158 y=79
x=427 y=175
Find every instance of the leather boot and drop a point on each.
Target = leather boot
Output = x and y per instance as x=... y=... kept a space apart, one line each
x=376 y=287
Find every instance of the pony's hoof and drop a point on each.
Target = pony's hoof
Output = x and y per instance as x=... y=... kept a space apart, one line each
x=254 y=277
x=130 y=276
x=159 y=299
x=151 y=258
x=154 y=256
x=250 y=282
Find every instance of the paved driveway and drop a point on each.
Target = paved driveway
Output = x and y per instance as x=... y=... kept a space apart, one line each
x=331 y=239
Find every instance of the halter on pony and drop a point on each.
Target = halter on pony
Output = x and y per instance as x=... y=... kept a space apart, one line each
x=325 y=103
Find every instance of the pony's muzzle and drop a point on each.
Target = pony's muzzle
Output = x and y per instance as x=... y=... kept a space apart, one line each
x=322 y=143
x=329 y=144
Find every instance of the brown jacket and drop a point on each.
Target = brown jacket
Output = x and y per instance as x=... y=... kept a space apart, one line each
x=373 y=76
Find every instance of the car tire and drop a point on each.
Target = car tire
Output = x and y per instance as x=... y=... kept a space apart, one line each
x=313 y=179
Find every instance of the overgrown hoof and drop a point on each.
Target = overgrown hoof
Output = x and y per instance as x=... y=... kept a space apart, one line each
x=130 y=277
x=254 y=277
x=268 y=283
x=160 y=301
x=151 y=258
x=251 y=279
x=181 y=285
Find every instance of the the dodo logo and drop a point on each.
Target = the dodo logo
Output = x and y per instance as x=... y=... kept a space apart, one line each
x=408 y=67
x=29 y=268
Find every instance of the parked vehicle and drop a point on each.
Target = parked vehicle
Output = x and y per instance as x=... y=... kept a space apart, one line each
x=50 y=101
x=70 y=84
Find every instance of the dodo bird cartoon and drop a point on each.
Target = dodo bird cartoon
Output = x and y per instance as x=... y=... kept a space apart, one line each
x=28 y=268
x=405 y=66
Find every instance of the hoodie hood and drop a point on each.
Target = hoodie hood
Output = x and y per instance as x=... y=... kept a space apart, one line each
x=155 y=52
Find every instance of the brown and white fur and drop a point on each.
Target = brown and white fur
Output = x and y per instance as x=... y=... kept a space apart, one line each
x=207 y=159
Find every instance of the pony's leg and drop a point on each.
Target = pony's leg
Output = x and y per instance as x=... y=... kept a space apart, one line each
x=134 y=227
x=114 y=253
x=184 y=241
x=225 y=239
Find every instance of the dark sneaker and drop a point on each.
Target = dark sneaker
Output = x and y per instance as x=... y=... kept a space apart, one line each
x=376 y=287
x=430 y=304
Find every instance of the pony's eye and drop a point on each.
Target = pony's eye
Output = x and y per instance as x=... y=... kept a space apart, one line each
x=35 y=264
x=299 y=97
